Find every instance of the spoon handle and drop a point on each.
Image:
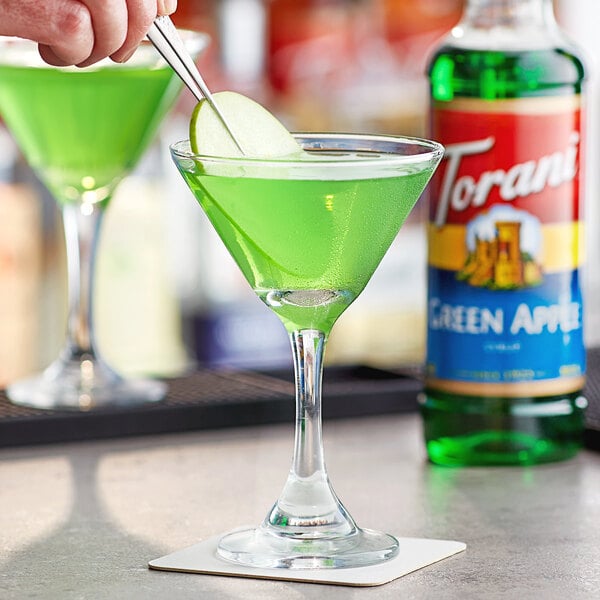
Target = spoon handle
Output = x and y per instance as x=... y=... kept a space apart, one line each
x=170 y=46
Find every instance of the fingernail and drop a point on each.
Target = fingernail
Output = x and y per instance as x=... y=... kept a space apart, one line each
x=124 y=58
x=166 y=7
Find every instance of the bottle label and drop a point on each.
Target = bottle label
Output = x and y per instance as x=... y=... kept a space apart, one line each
x=505 y=246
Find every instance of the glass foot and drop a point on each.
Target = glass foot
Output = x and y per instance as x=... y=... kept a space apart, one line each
x=258 y=547
x=83 y=383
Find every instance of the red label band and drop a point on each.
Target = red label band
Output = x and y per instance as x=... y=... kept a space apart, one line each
x=522 y=152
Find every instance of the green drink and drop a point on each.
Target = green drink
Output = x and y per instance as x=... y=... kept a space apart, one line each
x=346 y=222
x=308 y=229
x=82 y=130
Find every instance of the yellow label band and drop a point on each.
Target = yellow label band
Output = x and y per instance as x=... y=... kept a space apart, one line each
x=562 y=247
x=524 y=389
x=522 y=106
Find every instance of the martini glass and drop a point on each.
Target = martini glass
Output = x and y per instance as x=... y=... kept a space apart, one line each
x=308 y=233
x=82 y=131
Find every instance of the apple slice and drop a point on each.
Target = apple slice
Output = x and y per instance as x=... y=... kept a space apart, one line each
x=258 y=132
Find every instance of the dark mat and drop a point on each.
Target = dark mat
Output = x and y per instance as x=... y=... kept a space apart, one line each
x=209 y=399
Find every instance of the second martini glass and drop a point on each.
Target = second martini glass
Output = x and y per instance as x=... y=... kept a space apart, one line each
x=308 y=232
x=82 y=131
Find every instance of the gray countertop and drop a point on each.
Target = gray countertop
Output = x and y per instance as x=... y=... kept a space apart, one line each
x=81 y=520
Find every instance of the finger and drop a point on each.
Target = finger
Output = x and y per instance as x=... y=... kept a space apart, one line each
x=53 y=56
x=109 y=20
x=140 y=15
x=62 y=28
x=166 y=7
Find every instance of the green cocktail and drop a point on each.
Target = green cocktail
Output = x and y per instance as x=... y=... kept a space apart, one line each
x=82 y=130
x=308 y=240
x=307 y=231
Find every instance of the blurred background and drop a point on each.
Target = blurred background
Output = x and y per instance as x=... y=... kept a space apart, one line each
x=168 y=296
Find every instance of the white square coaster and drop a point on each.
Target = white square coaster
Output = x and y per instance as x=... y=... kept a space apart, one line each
x=414 y=554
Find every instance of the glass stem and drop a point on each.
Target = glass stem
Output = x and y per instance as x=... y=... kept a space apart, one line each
x=81 y=225
x=308 y=348
x=308 y=506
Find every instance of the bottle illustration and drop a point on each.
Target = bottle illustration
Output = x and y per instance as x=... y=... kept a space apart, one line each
x=505 y=362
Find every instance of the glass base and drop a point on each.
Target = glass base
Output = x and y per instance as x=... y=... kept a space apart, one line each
x=258 y=547
x=83 y=383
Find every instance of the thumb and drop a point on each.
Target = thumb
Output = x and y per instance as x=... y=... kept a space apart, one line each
x=63 y=28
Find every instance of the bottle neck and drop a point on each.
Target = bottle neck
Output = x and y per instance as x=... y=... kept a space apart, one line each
x=517 y=24
x=509 y=13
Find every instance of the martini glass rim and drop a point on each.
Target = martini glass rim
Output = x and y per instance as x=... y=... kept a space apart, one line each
x=22 y=52
x=359 y=150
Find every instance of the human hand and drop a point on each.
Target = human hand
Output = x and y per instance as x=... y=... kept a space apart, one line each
x=82 y=32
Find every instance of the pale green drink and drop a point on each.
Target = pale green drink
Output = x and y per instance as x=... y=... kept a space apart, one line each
x=308 y=229
x=82 y=130
x=308 y=232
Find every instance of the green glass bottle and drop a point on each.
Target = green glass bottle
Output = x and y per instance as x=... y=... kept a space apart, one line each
x=505 y=351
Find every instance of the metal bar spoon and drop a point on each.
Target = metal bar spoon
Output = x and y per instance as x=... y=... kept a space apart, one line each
x=170 y=46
